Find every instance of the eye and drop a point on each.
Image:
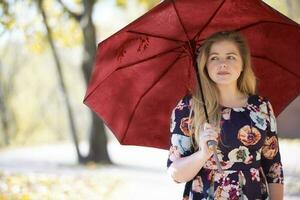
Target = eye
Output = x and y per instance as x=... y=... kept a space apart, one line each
x=231 y=57
x=214 y=58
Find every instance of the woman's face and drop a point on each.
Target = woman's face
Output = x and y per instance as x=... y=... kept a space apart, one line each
x=224 y=64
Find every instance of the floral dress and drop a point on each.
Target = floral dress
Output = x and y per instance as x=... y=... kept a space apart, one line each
x=249 y=152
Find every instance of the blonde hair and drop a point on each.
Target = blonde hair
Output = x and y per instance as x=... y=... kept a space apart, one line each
x=246 y=83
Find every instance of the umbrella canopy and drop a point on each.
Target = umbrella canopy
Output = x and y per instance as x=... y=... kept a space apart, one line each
x=143 y=70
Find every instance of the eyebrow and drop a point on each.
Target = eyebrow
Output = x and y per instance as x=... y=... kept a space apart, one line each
x=214 y=53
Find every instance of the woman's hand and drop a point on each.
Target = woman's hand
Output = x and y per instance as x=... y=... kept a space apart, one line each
x=209 y=133
x=186 y=168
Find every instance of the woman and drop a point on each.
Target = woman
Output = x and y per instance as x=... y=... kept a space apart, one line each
x=241 y=122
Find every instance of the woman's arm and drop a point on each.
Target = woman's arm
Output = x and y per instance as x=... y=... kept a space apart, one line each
x=183 y=161
x=276 y=191
x=271 y=159
x=186 y=168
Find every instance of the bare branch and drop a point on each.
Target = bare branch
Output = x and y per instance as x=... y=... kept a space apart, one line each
x=76 y=16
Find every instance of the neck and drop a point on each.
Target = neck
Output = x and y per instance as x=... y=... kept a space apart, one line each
x=229 y=94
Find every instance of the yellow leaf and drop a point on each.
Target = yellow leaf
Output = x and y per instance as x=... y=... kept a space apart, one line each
x=25 y=197
x=122 y=3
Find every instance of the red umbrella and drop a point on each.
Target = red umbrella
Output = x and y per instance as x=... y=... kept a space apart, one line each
x=142 y=71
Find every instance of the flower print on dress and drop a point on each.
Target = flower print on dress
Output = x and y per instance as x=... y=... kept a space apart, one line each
x=275 y=173
x=270 y=147
x=260 y=98
x=197 y=184
x=190 y=103
x=242 y=183
x=173 y=122
x=273 y=125
x=221 y=177
x=174 y=153
x=211 y=163
x=264 y=190
x=255 y=174
x=180 y=105
x=242 y=179
x=182 y=142
x=227 y=191
x=258 y=154
x=240 y=154
x=263 y=109
x=249 y=136
x=226 y=113
x=184 y=126
x=259 y=119
x=238 y=109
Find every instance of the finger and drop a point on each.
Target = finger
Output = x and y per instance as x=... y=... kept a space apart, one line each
x=211 y=138
x=208 y=137
x=210 y=132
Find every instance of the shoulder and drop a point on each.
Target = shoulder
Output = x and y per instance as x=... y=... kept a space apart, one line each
x=258 y=100
x=262 y=103
x=187 y=99
x=184 y=102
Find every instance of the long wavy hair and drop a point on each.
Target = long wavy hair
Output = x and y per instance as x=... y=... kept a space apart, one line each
x=246 y=83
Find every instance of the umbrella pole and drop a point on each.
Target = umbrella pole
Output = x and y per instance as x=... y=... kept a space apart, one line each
x=211 y=144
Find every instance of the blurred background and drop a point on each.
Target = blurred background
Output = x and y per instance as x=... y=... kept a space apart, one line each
x=51 y=145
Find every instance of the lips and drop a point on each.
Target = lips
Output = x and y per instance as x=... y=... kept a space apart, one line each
x=223 y=73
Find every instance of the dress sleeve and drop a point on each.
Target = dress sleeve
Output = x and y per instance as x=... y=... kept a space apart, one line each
x=180 y=136
x=270 y=157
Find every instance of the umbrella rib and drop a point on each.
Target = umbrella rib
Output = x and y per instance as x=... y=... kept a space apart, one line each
x=209 y=20
x=140 y=61
x=257 y=23
x=180 y=21
x=164 y=73
x=261 y=22
x=278 y=65
x=250 y=25
x=155 y=36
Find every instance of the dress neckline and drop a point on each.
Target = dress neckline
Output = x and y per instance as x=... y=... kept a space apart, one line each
x=245 y=106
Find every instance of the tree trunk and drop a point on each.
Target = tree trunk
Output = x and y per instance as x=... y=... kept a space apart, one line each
x=4 y=118
x=8 y=119
x=61 y=82
x=98 y=140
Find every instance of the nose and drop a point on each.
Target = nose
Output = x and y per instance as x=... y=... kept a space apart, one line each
x=222 y=64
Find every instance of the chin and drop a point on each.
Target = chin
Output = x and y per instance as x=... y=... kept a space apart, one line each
x=225 y=82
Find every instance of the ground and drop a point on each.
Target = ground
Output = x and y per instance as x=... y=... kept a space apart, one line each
x=50 y=172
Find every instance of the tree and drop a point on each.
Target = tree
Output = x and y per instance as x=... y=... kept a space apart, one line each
x=97 y=140
x=7 y=116
x=61 y=80
x=97 y=151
